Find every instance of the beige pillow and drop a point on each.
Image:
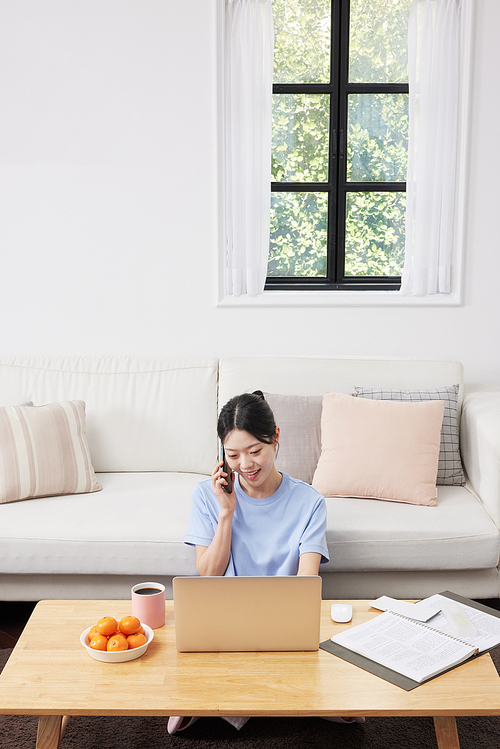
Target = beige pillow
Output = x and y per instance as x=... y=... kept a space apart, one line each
x=450 y=471
x=298 y=418
x=379 y=449
x=44 y=451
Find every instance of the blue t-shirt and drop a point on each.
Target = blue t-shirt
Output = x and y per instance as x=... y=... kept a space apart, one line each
x=268 y=535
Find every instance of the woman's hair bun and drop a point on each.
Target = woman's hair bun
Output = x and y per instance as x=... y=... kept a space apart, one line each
x=259 y=393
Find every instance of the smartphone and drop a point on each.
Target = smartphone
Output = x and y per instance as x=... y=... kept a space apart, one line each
x=226 y=469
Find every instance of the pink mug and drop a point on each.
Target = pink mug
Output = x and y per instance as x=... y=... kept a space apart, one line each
x=148 y=604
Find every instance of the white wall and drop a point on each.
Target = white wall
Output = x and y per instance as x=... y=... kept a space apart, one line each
x=108 y=198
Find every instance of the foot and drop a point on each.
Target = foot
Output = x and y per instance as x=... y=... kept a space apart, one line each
x=355 y=719
x=179 y=723
x=237 y=722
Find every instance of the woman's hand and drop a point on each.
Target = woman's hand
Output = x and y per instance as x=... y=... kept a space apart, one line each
x=227 y=501
x=213 y=559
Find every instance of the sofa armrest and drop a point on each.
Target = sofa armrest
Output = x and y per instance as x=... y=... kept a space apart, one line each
x=480 y=444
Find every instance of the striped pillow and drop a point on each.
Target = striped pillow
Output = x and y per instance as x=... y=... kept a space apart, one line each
x=44 y=451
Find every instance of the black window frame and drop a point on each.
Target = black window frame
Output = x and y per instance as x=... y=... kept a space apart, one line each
x=337 y=186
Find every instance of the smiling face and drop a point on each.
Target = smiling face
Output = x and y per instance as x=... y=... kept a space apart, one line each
x=253 y=461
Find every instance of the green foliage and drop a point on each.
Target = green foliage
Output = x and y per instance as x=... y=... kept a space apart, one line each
x=378 y=41
x=375 y=232
x=298 y=234
x=376 y=143
x=300 y=137
x=302 y=41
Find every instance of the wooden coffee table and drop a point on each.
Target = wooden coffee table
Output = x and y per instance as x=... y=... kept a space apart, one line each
x=49 y=674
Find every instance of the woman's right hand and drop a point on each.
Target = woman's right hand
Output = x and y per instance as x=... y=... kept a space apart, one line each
x=213 y=559
x=227 y=501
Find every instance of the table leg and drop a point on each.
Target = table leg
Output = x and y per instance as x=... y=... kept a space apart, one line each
x=446 y=732
x=51 y=729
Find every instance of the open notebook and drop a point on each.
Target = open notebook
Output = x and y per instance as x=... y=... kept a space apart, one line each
x=247 y=613
x=407 y=652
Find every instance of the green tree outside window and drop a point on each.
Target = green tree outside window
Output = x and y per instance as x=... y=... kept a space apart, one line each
x=339 y=151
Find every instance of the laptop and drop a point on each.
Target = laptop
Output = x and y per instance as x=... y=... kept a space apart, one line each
x=220 y=614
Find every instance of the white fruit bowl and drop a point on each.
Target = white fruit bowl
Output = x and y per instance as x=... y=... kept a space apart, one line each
x=117 y=656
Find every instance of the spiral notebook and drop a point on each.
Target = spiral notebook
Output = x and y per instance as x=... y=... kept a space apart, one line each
x=408 y=652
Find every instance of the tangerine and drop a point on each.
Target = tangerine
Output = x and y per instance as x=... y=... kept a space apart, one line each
x=99 y=642
x=118 y=634
x=129 y=625
x=117 y=643
x=136 y=640
x=93 y=631
x=107 y=625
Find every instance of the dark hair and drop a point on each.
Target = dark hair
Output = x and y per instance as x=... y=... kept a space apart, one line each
x=249 y=412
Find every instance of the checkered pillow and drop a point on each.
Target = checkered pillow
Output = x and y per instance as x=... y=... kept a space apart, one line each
x=450 y=471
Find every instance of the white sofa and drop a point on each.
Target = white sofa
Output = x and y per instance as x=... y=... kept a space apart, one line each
x=151 y=429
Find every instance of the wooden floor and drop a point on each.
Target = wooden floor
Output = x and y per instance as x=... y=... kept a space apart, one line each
x=15 y=614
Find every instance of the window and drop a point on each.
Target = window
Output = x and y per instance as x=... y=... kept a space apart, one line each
x=340 y=128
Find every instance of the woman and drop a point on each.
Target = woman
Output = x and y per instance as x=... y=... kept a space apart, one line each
x=270 y=524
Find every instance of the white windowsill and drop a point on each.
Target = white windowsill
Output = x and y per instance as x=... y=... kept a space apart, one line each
x=339 y=299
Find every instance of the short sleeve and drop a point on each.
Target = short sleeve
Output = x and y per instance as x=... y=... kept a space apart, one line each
x=313 y=538
x=202 y=521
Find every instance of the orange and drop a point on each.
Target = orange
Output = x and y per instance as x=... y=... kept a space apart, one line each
x=136 y=640
x=93 y=631
x=107 y=625
x=99 y=642
x=117 y=643
x=129 y=625
x=119 y=634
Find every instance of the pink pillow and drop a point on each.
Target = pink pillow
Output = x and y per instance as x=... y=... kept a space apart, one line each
x=379 y=449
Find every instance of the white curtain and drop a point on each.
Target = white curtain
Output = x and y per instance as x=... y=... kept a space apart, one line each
x=249 y=50
x=434 y=83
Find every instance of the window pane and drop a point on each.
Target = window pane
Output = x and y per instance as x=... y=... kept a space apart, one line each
x=377 y=144
x=378 y=41
x=298 y=234
x=300 y=138
x=375 y=233
x=301 y=41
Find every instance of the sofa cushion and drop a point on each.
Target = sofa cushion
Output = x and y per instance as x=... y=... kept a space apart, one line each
x=379 y=449
x=450 y=471
x=136 y=526
x=315 y=375
x=138 y=522
x=458 y=534
x=143 y=413
x=44 y=451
